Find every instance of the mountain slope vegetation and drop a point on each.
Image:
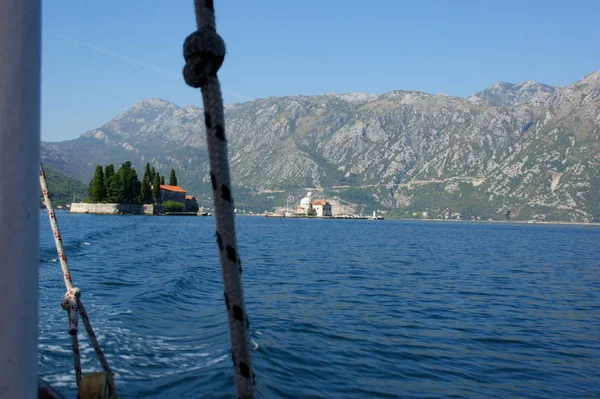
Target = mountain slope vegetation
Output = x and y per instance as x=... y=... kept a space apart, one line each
x=522 y=151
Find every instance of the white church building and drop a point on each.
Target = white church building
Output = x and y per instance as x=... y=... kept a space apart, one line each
x=318 y=208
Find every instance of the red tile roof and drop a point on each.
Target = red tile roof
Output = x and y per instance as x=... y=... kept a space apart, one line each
x=189 y=197
x=320 y=203
x=177 y=189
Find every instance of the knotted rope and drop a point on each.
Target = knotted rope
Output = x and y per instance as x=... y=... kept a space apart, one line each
x=204 y=51
x=70 y=305
x=72 y=301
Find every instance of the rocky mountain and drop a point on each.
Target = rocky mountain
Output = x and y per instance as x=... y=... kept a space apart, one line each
x=508 y=94
x=525 y=151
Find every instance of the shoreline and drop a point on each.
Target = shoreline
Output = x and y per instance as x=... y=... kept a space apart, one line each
x=527 y=222
x=427 y=220
x=498 y=221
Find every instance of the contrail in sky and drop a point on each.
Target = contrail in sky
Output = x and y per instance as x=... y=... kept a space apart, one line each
x=137 y=61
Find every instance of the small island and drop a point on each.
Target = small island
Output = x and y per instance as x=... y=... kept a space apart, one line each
x=311 y=208
x=120 y=192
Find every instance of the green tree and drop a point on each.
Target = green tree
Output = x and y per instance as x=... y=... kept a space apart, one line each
x=131 y=186
x=114 y=194
x=96 y=186
x=126 y=189
x=147 y=171
x=146 y=192
x=109 y=172
x=172 y=206
x=156 y=188
x=146 y=185
x=152 y=173
x=162 y=180
x=172 y=178
x=137 y=190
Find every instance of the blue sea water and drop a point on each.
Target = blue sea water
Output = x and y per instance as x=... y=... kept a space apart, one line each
x=338 y=308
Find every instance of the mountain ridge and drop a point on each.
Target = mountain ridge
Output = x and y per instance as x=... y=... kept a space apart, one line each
x=527 y=145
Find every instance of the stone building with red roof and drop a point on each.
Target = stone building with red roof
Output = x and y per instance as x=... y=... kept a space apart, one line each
x=172 y=193
x=191 y=203
x=178 y=194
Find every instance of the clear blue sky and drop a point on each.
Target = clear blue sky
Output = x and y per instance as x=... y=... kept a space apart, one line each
x=99 y=57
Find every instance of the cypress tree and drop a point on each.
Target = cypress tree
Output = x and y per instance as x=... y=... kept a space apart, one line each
x=97 y=185
x=110 y=194
x=146 y=192
x=125 y=189
x=162 y=180
x=116 y=194
x=146 y=186
x=152 y=173
x=136 y=187
x=172 y=178
x=131 y=187
x=109 y=172
x=156 y=188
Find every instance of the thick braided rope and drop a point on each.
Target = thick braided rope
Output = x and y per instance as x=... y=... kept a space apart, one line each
x=204 y=51
x=70 y=305
x=55 y=231
x=72 y=302
x=99 y=354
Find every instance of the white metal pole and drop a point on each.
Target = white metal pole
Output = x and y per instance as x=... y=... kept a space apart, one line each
x=20 y=59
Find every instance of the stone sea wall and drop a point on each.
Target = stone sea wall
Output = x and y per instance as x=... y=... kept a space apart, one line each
x=116 y=209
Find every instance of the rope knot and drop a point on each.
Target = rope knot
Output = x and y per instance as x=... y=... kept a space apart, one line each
x=69 y=304
x=204 y=52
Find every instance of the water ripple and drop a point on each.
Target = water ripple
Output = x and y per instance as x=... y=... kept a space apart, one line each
x=337 y=308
